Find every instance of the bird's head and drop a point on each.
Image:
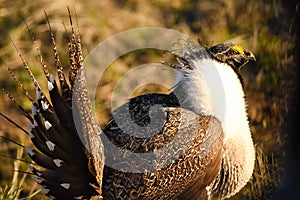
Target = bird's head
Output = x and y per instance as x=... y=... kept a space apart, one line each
x=232 y=54
x=205 y=73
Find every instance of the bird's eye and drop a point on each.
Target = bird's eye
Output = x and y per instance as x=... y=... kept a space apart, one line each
x=234 y=52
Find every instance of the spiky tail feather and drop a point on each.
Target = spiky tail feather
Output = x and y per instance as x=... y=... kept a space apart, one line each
x=59 y=155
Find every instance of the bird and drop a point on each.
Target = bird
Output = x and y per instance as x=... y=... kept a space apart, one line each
x=193 y=142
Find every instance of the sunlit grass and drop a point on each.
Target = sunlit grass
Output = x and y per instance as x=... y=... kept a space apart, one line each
x=12 y=191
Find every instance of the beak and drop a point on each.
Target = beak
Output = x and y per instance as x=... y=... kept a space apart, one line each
x=249 y=55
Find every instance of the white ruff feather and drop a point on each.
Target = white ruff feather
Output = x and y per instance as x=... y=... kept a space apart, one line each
x=213 y=88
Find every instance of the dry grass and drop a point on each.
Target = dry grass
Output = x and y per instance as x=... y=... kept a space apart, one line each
x=261 y=26
x=12 y=191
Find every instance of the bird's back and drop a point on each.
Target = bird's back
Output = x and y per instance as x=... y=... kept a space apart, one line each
x=180 y=152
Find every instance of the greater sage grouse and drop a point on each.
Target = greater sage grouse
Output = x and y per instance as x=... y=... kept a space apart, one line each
x=195 y=152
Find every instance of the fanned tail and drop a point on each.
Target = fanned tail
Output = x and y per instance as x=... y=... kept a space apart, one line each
x=59 y=155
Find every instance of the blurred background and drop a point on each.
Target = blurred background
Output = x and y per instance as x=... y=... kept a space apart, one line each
x=266 y=27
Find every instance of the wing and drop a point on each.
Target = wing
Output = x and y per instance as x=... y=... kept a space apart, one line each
x=161 y=151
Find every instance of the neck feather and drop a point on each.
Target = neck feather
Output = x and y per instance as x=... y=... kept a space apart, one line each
x=213 y=88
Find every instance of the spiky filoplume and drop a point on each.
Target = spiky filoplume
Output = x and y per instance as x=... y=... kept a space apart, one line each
x=60 y=156
x=194 y=151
